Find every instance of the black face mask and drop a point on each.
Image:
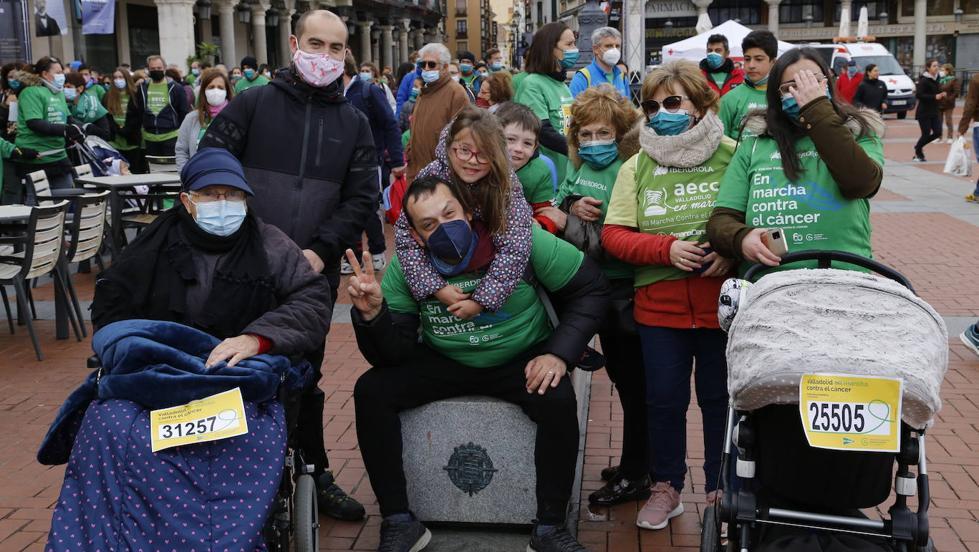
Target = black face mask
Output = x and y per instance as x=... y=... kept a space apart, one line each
x=157 y=75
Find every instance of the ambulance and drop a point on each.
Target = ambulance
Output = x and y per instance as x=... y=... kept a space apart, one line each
x=900 y=87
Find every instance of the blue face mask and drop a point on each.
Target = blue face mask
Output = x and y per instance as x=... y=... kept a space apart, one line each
x=670 y=124
x=851 y=71
x=714 y=60
x=760 y=82
x=195 y=71
x=430 y=76
x=59 y=81
x=570 y=58
x=71 y=94
x=413 y=94
x=221 y=218
x=14 y=84
x=366 y=76
x=496 y=66
x=451 y=247
x=791 y=107
x=599 y=153
x=120 y=83
x=466 y=67
x=249 y=73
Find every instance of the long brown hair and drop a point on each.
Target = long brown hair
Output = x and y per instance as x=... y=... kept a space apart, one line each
x=540 y=55
x=113 y=98
x=491 y=195
x=206 y=77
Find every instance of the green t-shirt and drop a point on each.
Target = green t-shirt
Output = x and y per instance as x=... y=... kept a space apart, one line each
x=89 y=108
x=812 y=211
x=120 y=142
x=736 y=104
x=551 y=101
x=492 y=338
x=586 y=181
x=535 y=179
x=157 y=97
x=518 y=80
x=244 y=84
x=38 y=102
x=668 y=200
x=98 y=90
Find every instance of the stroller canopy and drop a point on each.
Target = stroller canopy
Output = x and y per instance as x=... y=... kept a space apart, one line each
x=797 y=322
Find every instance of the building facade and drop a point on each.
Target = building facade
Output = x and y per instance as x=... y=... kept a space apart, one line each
x=470 y=26
x=382 y=31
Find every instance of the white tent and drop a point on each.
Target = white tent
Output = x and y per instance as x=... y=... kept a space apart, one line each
x=695 y=47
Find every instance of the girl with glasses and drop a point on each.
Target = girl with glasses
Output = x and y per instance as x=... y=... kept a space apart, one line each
x=657 y=221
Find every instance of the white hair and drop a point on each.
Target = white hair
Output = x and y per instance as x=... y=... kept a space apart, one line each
x=438 y=49
x=602 y=33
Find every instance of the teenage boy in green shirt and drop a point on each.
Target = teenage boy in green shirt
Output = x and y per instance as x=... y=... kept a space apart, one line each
x=760 y=50
x=513 y=354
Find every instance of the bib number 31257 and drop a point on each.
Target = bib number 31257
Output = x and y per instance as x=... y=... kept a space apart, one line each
x=209 y=419
x=851 y=412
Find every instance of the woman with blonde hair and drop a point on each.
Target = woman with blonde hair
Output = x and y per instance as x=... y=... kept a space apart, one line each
x=657 y=221
x=603 y=135
x=214 y=94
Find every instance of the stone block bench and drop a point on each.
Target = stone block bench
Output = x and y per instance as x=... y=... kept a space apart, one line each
x=470 y=460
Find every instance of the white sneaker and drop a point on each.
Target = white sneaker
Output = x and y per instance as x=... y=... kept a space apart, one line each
x=378 y=261
x=345 y=267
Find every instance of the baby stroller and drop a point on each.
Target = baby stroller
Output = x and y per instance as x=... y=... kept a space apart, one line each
x=122 y=491
x=781 y=493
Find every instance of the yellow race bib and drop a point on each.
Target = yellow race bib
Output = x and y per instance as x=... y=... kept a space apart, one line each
x=850 y=412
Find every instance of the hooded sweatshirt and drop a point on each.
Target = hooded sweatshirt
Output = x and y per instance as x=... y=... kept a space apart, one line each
x=512 y=246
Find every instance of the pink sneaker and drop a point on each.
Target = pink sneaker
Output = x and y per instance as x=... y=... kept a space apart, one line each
x=661 y=507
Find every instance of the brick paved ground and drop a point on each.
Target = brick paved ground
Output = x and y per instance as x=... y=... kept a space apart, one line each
x=935 y=250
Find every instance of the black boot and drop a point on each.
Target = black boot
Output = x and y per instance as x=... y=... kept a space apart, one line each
x=336 y=503
x=621 y=490
x=610 y=473
x=405 y=536
x=558 y=541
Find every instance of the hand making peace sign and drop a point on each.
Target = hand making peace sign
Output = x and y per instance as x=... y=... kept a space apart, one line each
x=364 y=290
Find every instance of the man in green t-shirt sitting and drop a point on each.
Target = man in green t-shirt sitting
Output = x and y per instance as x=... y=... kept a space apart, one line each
x=513 y=354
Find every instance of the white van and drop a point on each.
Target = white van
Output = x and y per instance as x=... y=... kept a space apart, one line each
x=900 y=87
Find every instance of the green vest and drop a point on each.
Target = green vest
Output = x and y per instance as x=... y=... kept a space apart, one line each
x=120 y=142
x=678 y=202
x=88 y=108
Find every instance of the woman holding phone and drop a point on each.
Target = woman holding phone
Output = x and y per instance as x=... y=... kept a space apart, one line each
x=808 y=167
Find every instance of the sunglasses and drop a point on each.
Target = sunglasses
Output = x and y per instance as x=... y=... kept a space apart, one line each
x=670 y=103
x=428 y=64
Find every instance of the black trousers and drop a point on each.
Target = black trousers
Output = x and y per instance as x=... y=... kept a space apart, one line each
x=931 y=130
x=165 y=148
x=309 y=424
x=623 y=355
x=381 y=393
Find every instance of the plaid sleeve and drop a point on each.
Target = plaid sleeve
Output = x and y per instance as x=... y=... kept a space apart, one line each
x=422 y=278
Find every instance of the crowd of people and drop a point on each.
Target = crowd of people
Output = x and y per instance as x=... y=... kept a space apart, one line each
x=523 y=188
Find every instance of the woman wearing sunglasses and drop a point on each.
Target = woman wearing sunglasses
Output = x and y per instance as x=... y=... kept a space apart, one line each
x=809 y=165
x=657 y=220
x=552 y=53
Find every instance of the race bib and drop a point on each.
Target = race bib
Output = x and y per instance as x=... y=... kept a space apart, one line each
x=851 y=413
x=209 y=419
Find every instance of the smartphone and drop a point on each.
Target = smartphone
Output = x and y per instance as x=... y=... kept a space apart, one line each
x=704 y=266
x=776 y=242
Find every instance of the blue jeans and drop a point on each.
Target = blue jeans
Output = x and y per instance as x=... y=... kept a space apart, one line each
x=668 y=355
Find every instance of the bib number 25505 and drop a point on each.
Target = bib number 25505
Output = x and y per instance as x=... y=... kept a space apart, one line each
x=850 y=412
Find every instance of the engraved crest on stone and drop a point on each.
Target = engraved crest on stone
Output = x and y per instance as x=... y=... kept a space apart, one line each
x=470 y=468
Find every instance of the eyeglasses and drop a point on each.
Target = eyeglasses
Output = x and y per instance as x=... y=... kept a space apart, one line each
x=465 y=155
x=601 y=134
x=206 y=196
x=670 y=103
x=428 y=65
x=783 y=89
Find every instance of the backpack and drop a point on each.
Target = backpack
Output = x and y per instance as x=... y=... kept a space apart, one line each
x=392 y=197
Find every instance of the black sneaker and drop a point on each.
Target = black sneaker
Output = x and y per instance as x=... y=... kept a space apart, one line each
x=407 y=536
x=621 y=490
x=336 y=503
x=558 y=541
x=610 y=473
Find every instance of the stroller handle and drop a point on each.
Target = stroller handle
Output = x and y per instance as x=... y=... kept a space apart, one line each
x=825 y=260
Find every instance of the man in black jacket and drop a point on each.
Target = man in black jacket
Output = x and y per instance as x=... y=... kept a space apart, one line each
x=157 y=109
x=309 y=156
x=514 y=354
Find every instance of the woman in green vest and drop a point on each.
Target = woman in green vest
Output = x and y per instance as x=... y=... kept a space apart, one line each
x=116 y=101
x=544 y=91
x=602 y=136
x=42 y=123
x=657 y=221
x=808 y=168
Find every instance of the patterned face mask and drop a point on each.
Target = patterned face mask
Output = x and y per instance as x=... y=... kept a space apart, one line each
x=317 y=70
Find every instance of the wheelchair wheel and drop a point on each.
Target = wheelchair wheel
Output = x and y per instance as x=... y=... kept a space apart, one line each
x=306 y=515
x=710 y=536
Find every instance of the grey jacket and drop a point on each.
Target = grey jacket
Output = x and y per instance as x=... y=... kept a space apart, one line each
x=302 y=319
x=186 y=147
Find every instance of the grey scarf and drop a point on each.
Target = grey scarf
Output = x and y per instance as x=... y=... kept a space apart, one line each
x=690 y=149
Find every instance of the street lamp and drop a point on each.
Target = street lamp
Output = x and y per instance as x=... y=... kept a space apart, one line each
x=272 y=17
x=884 y=17
x=808 y=19
x=204 y=9
x=244 y=14
x=958 y=15
x=668 y=24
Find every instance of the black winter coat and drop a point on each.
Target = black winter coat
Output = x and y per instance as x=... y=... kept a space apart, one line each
x=309 y=156
x=871 y=94
x=926 y=90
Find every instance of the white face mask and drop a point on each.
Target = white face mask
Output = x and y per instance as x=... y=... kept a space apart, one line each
x=215 y=96
x=612 y=56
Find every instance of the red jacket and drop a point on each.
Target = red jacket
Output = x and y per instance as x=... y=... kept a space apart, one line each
x=734 y=77
x=847 y=86
x=687 y=303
